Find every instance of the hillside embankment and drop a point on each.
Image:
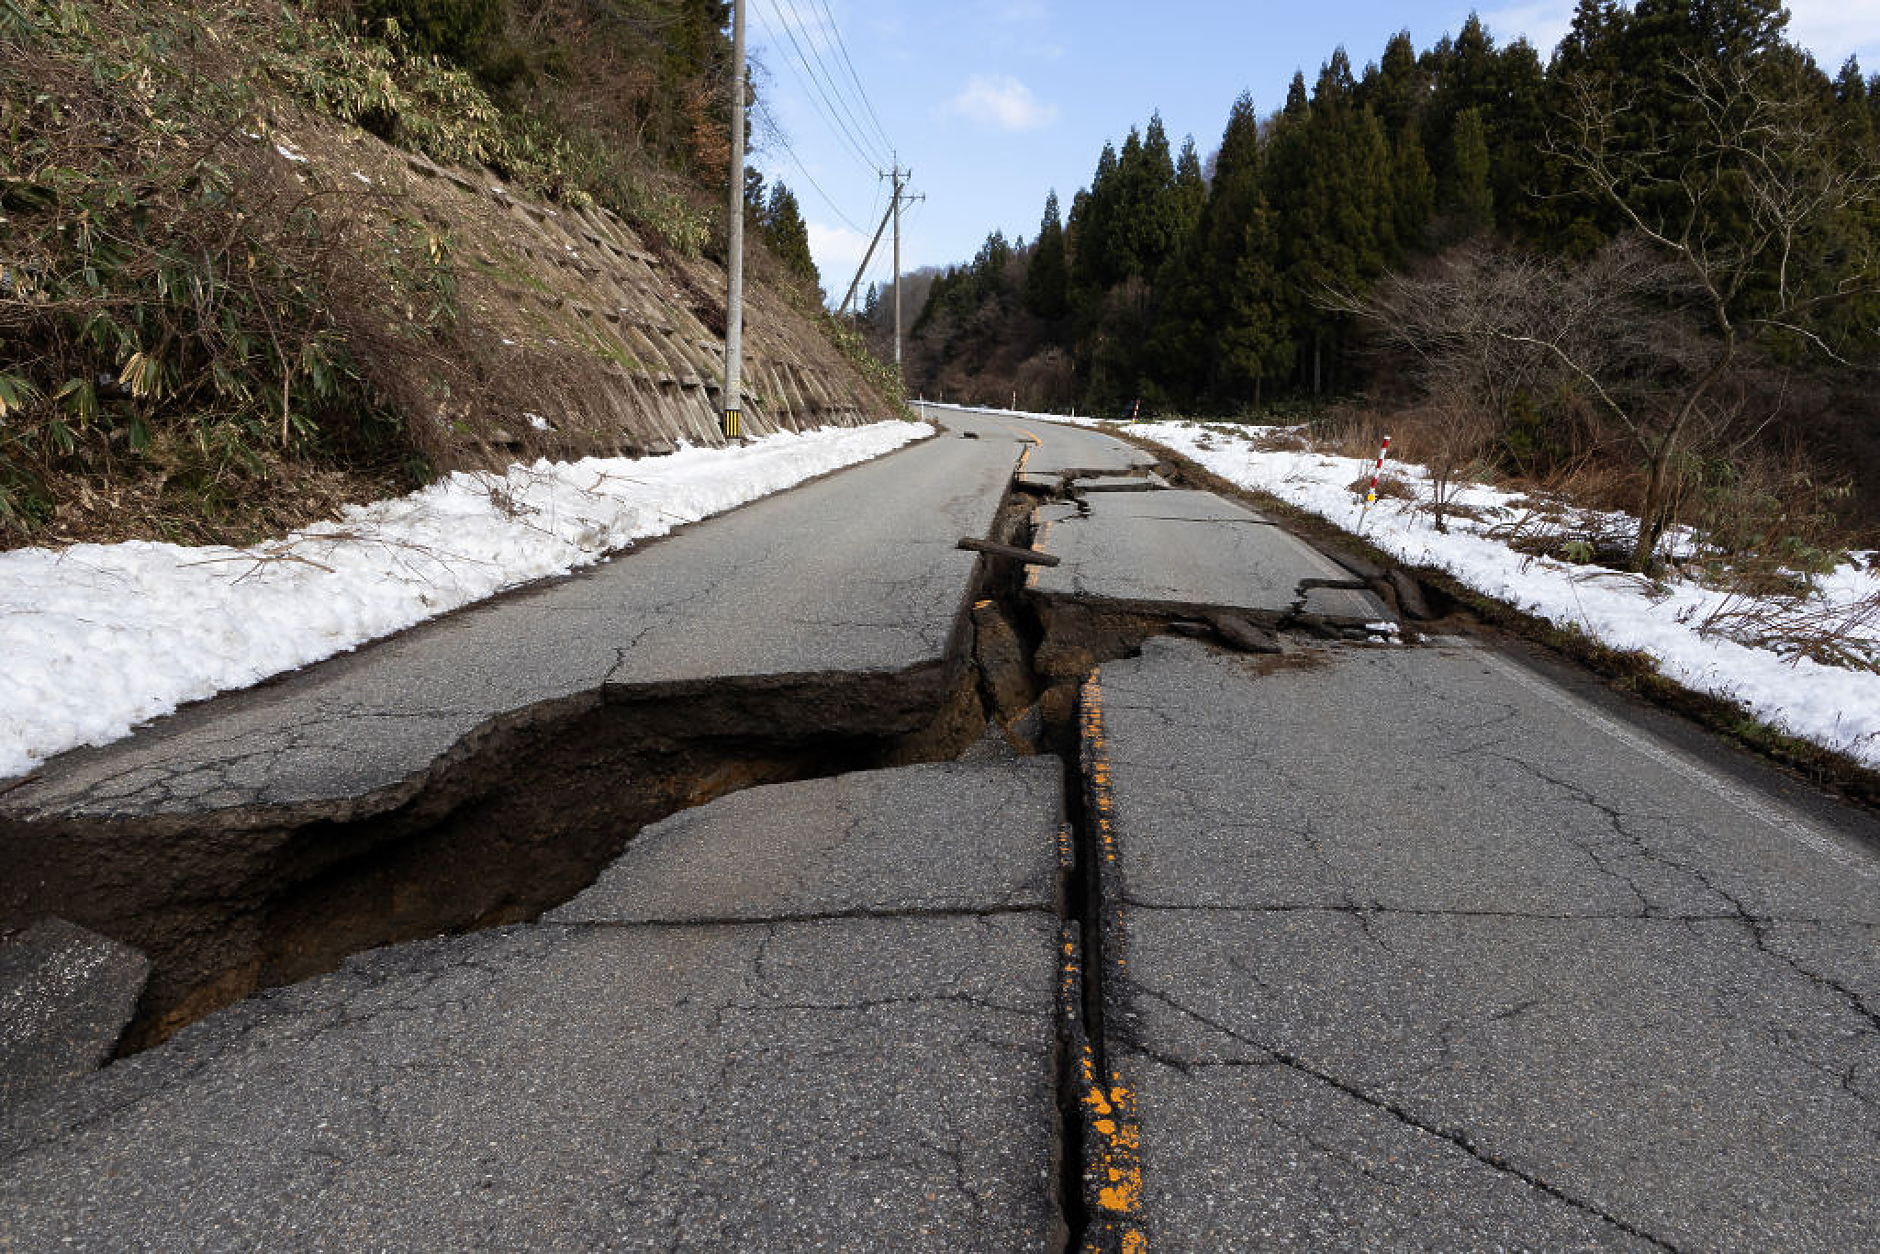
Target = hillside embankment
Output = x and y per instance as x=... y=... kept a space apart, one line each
x=617 y=338
x=261 y=261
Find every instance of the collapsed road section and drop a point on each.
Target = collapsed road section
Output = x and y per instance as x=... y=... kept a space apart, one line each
x=484 y=766
x=847 y=1009
x=1319 y=940
x=815 y=1015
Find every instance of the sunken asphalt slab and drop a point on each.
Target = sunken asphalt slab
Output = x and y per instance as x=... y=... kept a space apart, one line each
x=1187 y=552
x=855 y=574
x=860 y=842
x=868 y=1063
x=1410 y=949
x=66 y=994
x=1148 y=481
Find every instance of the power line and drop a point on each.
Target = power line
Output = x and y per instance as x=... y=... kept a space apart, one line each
x=828 y=76
x=866 y=161
x=793 y=22
x=807 y=176
x=827 y=109
x=867 y=105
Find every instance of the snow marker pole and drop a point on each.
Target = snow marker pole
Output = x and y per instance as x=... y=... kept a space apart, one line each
x=1370 y=495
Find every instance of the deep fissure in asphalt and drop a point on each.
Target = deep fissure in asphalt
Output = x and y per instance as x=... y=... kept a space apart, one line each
x=525 y=812
x=516 y=819
x=1059 y=648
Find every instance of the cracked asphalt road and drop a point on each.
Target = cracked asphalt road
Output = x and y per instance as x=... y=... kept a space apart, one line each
x=1395 y=947
x=827 y=1050
x=1187 y=552
x=1409 y=951
x=854 y=574
x=1056 y=450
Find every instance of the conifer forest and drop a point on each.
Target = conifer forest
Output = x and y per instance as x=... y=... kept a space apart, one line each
x=1660 y=239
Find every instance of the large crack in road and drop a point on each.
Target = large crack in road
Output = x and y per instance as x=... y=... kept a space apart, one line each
x=522 y=814
x=1224 y=939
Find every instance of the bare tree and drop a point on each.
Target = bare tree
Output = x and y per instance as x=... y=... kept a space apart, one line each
x=1493 y=330
x=1453 y=429
x=1742 y=209
x=1744 y=193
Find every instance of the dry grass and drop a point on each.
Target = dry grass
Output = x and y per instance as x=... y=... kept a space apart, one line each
x=1353 y=431
x=1389 y=487
x=105 y=509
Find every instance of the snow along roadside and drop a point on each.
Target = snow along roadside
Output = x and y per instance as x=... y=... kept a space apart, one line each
x=1831 y=706
x=97 y=638
x=1834 y=707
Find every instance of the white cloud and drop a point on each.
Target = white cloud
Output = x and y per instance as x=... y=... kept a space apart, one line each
x=1001 y=101
x=1545 y=24
x=837 y=250
x=1831 y=29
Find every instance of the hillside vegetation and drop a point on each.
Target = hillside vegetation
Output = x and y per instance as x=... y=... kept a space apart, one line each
x=1651 y=261
x=198 y=340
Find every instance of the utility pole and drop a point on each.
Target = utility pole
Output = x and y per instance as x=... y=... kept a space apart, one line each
x=900 y=177
x=732 y=399
x=894 y=208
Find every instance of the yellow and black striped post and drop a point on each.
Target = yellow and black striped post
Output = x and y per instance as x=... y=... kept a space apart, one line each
x=734 y=424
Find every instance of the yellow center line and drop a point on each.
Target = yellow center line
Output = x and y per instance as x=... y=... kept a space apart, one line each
x=1110 y=1109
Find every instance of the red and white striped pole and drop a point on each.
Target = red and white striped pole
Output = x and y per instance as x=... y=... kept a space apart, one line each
x=1371 y=495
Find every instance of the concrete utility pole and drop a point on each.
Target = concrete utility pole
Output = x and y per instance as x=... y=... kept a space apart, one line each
x=732 y=398
x=900 y=177
x=894 y=208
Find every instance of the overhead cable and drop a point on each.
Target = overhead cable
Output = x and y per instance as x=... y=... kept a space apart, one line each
x=829 y=77
x=819 y=96
x=804 y=170
x=868 y=105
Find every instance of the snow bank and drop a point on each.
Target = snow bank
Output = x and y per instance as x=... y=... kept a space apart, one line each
x=1830 y=706
x=96 y=638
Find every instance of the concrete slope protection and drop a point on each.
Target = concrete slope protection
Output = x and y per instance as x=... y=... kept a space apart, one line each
x=1406 y=948
x=848 y=1044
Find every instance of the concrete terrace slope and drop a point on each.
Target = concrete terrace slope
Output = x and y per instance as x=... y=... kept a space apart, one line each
x=1408 y=948
x=867 y=1063
x=620 y=337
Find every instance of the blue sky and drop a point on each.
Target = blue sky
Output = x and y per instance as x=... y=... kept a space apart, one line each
x=993 y=103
